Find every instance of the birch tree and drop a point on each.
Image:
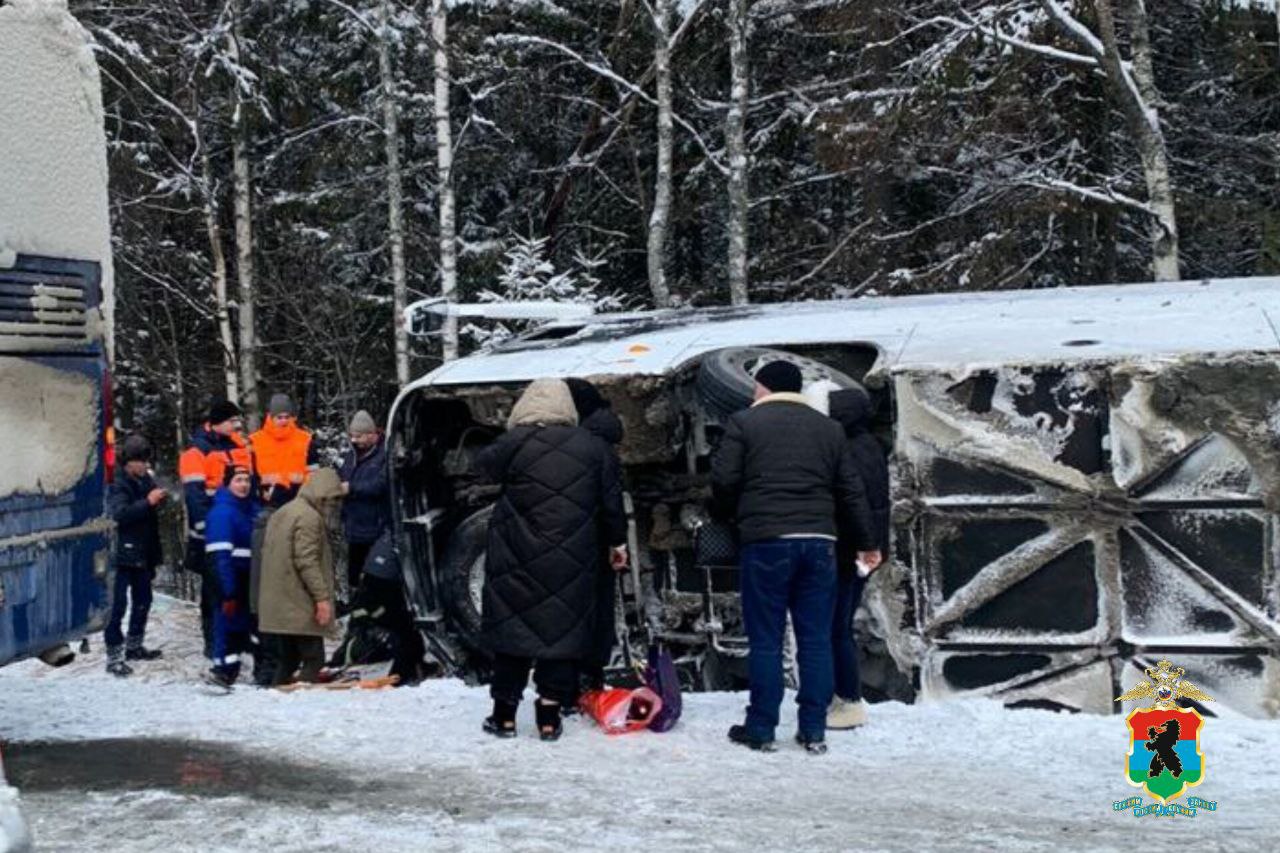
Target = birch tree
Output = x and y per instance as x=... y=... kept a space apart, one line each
x=735 y=147
x=243 y=191
x=395 y=193
x=218 y=257
x=444 y=177
x=660 y=218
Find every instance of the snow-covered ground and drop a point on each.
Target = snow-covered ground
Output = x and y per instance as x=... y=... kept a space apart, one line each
x=409 y=769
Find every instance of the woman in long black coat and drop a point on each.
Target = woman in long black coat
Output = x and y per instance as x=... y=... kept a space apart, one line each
x=560 y=506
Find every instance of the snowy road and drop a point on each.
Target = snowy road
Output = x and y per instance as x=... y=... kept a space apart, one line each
x=409 y=769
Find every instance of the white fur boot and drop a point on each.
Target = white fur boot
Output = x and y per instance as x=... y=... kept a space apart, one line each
x=844 y=714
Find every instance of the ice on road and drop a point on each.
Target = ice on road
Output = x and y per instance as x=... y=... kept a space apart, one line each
x=409 y=769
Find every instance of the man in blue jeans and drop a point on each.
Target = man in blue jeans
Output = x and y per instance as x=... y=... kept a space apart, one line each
x=784 y=473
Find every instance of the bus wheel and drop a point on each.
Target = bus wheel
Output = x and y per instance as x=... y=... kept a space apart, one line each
x=462 y=576
x=725 y=377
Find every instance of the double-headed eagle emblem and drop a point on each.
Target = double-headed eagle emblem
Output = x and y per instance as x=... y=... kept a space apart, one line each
x=1166 y=687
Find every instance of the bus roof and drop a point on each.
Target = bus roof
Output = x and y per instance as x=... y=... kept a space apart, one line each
x=940 y=331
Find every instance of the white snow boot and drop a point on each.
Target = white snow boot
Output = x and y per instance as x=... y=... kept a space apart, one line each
x=844 y=714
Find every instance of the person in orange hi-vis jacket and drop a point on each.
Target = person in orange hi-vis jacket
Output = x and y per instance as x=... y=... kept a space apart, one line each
x=214 y=445
x=283 y=453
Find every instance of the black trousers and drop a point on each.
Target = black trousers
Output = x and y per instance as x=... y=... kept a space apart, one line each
x=357 y=553
x=556 y=680
x=386 y=597
x=295 y=653
x=604 y=633
x=210 y=595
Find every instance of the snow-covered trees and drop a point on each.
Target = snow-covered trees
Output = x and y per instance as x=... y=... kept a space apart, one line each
x=846 y=147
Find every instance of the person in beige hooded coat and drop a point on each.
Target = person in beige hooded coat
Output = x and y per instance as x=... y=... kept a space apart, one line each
x=559 y=508
x=295 y=603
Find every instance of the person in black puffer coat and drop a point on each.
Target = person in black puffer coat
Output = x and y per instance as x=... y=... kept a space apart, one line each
x=560 y=506
x=852 y=409
x=597 y=417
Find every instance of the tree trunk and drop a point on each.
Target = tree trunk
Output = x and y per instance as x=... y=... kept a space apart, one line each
x=244 y=237
x=1139 y=100
x=660 y=217
x=219 y=256
x=444 y=166
x=395 y=196
x=736 y=149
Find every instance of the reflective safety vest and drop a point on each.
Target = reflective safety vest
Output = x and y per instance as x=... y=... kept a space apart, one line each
x=285 y=456
x=202 y=466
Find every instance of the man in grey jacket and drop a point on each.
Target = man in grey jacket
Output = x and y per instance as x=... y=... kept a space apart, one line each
x=782 y=470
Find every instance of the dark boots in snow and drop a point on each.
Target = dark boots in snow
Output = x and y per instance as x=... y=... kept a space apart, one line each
x=115 y=662
x=134 y=650
x=502 y=723
x=548 y=717
x=812 y=745
x=740 y=736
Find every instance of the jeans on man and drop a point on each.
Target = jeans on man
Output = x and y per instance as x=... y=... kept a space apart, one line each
x=844 y=645
x=796 y=575
x=132 y=587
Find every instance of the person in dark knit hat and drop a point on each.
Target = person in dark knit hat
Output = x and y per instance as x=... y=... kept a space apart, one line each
x=783 y=472
x=133 y=500
x=283 y=452
x=366 y=512
x=214 y=445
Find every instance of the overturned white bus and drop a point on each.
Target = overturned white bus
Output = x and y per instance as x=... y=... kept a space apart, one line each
x=1085 y=480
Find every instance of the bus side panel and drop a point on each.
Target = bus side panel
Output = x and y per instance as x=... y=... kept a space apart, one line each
x=52 y=593
x=54 y=533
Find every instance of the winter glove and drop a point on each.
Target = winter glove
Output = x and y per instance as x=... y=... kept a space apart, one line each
x=230 y=608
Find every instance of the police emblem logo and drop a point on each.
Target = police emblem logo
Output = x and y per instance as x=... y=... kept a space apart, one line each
x=1164 y=739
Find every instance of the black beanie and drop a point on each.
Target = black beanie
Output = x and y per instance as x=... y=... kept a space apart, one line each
x=223 y=410
x=135 y=449
x=587 y=399
x=780 y=377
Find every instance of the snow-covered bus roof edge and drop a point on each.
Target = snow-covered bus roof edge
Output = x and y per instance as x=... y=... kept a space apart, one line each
x=53 y=156
x=951 y=332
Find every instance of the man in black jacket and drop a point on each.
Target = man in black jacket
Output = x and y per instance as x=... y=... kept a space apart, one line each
x=133 y=501
x=783 y=471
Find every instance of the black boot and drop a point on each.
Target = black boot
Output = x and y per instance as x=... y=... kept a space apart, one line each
x=739 y=735
x=811 y=744
x=502 y=723
x=115 y=662
x=548 y=716
x=134 y=650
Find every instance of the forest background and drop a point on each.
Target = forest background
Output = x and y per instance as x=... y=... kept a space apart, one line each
x=287 y=174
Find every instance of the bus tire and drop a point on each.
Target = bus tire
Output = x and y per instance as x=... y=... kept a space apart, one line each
x=462 y=577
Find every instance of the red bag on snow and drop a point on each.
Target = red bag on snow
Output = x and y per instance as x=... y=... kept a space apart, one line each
x=620 y=711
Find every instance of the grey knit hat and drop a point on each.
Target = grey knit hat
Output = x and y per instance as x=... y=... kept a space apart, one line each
x=362 y=423
x=135 y=449
x=281 y=405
